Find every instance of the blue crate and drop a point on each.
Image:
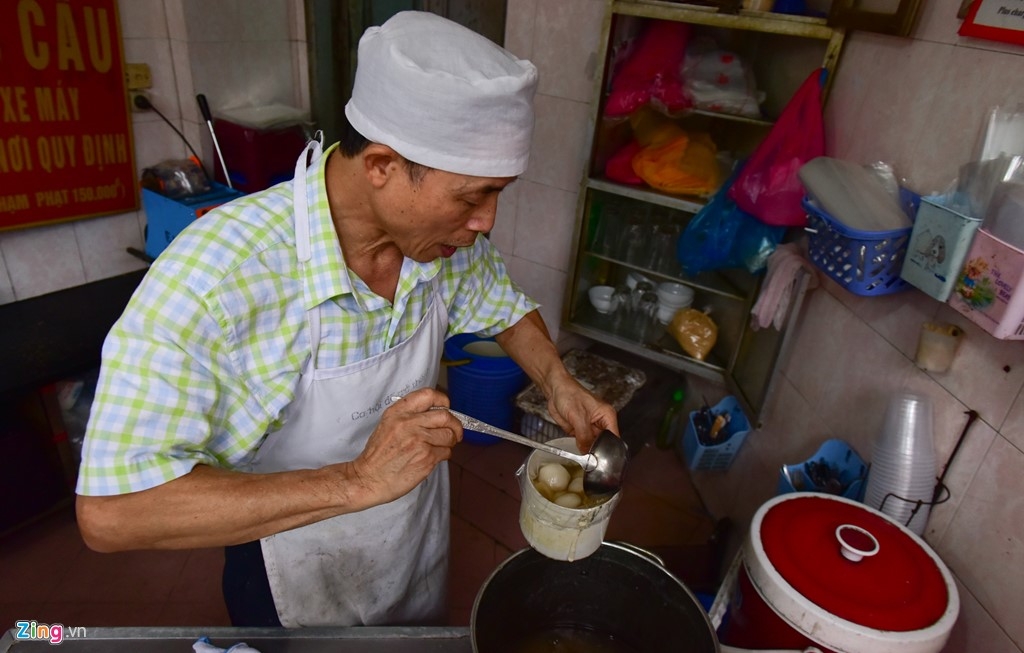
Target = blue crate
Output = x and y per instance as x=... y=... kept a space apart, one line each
x=167 y=217
x=716 y=456
x=851 y=468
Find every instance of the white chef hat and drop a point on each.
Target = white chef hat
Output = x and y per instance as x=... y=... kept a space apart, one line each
x=443 y=96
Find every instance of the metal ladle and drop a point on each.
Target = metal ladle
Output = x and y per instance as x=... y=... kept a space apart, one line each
x=603 y=467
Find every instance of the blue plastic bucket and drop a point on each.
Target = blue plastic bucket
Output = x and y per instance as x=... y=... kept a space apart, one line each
x=482 y=382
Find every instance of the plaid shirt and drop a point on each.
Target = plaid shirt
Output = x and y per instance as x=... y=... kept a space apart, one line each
x=208 y=353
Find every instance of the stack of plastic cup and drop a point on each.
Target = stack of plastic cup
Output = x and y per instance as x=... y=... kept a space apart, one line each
x=902 y=475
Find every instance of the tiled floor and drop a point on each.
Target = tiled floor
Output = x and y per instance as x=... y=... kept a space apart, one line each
x=49 y=575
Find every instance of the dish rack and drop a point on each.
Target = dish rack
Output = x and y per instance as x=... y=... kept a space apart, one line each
x=865 y=263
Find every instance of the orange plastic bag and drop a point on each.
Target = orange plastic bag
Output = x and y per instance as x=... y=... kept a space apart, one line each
x=769 y=188
x=686 y=165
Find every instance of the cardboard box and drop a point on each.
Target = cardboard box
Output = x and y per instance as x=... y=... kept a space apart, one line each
x=990 y=288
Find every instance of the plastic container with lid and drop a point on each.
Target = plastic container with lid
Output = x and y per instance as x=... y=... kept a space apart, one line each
x=823 y=571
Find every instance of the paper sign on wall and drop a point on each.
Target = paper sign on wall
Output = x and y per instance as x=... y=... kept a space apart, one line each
x=65 y=130
x=995 y=20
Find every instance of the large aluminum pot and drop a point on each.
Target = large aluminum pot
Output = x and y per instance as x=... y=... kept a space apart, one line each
x=620 y=599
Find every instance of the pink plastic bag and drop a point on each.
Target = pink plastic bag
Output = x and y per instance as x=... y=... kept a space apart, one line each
x=768 y=187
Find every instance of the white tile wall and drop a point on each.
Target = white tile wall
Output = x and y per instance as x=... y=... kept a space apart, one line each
x=103 y=244
x=155 y=141
x=184 y=86
x=265 y=20
x=545 y=285
x=545 y=221
x=984 y=545
x=560 y=138
x=520 y=19
x=42 y=260
x=142 y=19
x=975 y=630
x=503 y=235
x=156 y=53
x=213 y=22
x=174 y=10
x=568 y=72
x=6 y=289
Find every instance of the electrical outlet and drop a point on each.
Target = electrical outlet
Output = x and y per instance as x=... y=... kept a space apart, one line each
x=131 y=101
x=137 y=76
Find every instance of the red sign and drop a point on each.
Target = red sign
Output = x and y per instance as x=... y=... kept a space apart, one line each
x=995 y=20
x=65 y=131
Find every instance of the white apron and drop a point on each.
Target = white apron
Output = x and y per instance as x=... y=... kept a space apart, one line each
x=385 y=565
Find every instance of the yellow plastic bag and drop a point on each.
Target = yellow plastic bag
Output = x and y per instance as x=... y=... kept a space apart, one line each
x=695 y=332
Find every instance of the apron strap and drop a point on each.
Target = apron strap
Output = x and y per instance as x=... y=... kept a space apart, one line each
x=299 y=195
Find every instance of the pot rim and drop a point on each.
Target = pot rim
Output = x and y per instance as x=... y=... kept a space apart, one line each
x=624 y=547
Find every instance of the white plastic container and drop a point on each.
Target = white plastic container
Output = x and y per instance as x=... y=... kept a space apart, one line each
x=554 y=531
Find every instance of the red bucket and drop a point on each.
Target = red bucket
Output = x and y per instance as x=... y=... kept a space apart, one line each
x=822 y=571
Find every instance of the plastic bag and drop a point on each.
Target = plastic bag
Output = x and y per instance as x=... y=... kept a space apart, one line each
x=620 y=165
x=719 y=80
x=769 y=188
x=650 y=73
x=695 y=332
x=176 y=178
x=686 y=165
x=722 y=235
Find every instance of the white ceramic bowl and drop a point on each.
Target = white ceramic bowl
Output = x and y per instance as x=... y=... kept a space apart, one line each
x=601 y=298
x=674 y=294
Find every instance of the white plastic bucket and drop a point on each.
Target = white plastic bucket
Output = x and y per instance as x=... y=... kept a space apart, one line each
x=554 y=531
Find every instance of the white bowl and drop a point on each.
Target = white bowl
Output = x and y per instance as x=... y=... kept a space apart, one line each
x=674 y=294
x=601 y=298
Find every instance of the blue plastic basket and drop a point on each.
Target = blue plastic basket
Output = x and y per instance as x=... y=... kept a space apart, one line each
x=851 y=471
x=715 y=457
x=864 y=262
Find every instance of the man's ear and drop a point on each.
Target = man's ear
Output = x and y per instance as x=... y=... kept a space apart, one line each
x=379 y=163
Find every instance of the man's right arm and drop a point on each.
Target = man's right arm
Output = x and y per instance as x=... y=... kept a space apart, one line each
x=215 y=507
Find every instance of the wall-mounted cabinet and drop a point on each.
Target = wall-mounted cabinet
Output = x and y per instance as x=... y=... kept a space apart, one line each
x=629 y=228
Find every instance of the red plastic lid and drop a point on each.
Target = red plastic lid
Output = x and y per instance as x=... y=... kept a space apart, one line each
x=901 y=588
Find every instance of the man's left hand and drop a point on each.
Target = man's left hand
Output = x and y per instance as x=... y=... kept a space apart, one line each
x=581 y=414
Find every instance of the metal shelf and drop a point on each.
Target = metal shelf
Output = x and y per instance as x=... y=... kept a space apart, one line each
x=647 y=194
x=664 y=351
x=711 y=282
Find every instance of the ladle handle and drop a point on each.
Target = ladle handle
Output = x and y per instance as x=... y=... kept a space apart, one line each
x=586 y=461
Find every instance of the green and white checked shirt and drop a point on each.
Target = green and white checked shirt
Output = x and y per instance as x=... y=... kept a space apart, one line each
x=208 y=352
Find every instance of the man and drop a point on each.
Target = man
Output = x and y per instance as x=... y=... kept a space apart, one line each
x=245 y=394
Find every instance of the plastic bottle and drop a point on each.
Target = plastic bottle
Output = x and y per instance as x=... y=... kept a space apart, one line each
x=667 y=433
